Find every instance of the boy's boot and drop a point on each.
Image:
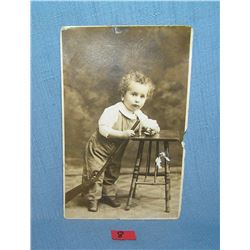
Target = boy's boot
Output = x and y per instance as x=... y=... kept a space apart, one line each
x=93 y=205
x=111 y=201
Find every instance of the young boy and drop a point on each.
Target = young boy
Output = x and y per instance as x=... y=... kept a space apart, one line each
x=113 y=127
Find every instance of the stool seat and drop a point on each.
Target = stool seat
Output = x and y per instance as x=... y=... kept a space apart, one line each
x=159 y=140
x=163 y=135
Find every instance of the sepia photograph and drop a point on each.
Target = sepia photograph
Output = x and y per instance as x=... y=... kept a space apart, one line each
x=125 y=92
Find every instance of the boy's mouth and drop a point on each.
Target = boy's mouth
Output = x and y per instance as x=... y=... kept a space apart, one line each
x=136 y=106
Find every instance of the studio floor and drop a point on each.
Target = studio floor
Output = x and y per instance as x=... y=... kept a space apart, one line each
x=149 y=202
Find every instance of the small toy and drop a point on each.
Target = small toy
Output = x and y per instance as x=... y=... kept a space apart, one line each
x=160 y=158
x=149 y=132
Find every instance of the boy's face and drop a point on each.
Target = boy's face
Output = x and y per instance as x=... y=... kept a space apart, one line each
x=136 y=96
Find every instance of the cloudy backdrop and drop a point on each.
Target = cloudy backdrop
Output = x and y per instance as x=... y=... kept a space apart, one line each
x=94 y=61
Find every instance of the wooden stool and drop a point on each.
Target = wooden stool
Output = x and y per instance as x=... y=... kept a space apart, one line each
x=162 y=139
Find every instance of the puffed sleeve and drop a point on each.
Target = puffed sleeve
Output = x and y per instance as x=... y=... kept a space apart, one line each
x=148 y=123
x=107 y=120
x=142 y=117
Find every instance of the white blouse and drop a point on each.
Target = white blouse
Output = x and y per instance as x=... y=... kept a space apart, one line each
x=110 y=115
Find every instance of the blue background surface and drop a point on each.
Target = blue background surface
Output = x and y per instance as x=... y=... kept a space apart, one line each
x=198 y=226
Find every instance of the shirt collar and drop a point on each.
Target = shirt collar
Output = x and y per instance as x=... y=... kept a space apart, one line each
x=126 y=112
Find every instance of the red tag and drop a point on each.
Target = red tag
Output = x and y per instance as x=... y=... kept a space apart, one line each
x=123 y=235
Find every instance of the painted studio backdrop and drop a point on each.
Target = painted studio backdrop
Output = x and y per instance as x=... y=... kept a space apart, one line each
x=94 y=59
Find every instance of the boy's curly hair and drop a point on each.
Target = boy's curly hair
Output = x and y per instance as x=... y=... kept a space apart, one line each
x=136 y=77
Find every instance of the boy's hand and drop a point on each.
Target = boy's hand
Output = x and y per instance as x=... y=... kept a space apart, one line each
x=149 y=132
x=128 y=133
x=152 y=124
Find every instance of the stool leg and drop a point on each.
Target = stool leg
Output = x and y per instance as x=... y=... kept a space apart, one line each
x=135 y=174
x=133 y=196
x=167 y=188
x=168 y=171
x=141 y=152
x=167 y=179
x=156 y=155
x=157 y=152
x=148 y=160
x=134 y=191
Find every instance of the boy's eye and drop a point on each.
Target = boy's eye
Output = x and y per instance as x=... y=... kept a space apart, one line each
x=142 y=96
x=134 y=94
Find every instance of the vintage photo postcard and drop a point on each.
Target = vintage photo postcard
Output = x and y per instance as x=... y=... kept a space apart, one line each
x=125 y=98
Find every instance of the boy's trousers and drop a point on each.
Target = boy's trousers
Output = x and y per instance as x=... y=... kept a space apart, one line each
x=105 y=186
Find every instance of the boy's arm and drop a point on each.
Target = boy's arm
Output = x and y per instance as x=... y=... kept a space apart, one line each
x=106 y=122
x=151 y=124
x=148 y=123
x=121 y=134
